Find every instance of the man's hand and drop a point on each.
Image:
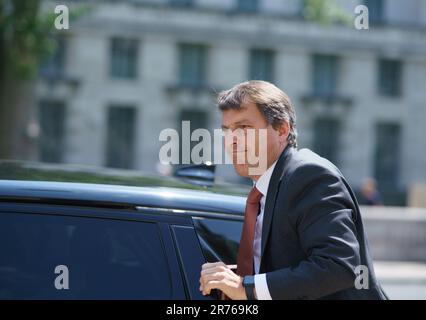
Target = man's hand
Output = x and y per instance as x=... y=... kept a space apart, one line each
x=220 y=276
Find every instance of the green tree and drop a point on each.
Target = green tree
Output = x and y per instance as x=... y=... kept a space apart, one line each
x=22 y=40
x=325 y=12
x=25 y=37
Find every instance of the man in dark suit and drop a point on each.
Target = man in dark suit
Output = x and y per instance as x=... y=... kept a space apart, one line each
x=303 y=236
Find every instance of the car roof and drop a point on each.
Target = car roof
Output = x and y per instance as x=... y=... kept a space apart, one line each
x=38 y=171
x=100 y=186
x=118 y=195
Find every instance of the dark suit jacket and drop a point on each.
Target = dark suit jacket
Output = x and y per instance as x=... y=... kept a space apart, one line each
x=313 y=236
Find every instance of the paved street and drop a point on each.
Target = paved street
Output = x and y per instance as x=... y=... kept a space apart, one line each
x=402 y=280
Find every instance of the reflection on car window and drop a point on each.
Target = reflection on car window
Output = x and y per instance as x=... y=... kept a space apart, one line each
x=219 y=238
x=106 y=259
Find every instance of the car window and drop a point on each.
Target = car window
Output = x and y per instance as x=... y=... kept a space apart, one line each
x=191 y=258
x=219 y=238
x=106 y=259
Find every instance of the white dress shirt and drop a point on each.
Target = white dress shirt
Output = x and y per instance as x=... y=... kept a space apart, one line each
x=260 y=283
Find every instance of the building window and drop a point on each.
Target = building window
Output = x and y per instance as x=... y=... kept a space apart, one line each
x=181 y=3
x=197 y=120
x=262 y=65
x=389 y=77
x=52 y=123
x=387 y=155
x=192 y=65
x=326 y=142
x=247 y=5
x=375 y=10
x=54 y=64
x=324 y=76
x=121 y=136
x=124 y=58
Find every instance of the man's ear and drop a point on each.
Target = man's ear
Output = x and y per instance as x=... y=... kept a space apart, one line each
x=283 y=130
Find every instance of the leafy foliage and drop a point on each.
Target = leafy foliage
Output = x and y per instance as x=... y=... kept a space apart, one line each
x=25 y=34
x=325 y=12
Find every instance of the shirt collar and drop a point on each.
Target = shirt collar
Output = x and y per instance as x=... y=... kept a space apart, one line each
x=262 y=183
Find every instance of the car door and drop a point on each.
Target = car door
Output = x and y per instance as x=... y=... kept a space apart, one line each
x=188 y=250
x=65 y=252
x=213 y=236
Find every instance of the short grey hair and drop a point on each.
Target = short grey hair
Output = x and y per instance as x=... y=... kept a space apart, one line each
x=271 y=101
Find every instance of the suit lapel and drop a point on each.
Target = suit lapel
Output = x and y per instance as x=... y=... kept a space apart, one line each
x=274 y=185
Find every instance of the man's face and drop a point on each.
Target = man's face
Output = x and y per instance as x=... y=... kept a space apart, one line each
x=248 y=136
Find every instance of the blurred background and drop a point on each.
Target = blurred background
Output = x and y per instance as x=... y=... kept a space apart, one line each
x=100 y=92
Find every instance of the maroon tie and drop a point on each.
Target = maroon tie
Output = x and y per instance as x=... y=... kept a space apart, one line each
x=245 y=251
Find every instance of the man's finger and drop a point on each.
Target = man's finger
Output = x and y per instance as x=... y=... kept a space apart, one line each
x=220 y=268
x=212 y=265
x=214 y=276
x=218 y=278
x=210 y=271
x=213 y=284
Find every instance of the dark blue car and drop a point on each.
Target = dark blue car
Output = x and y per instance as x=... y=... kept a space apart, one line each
x=65 y=239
